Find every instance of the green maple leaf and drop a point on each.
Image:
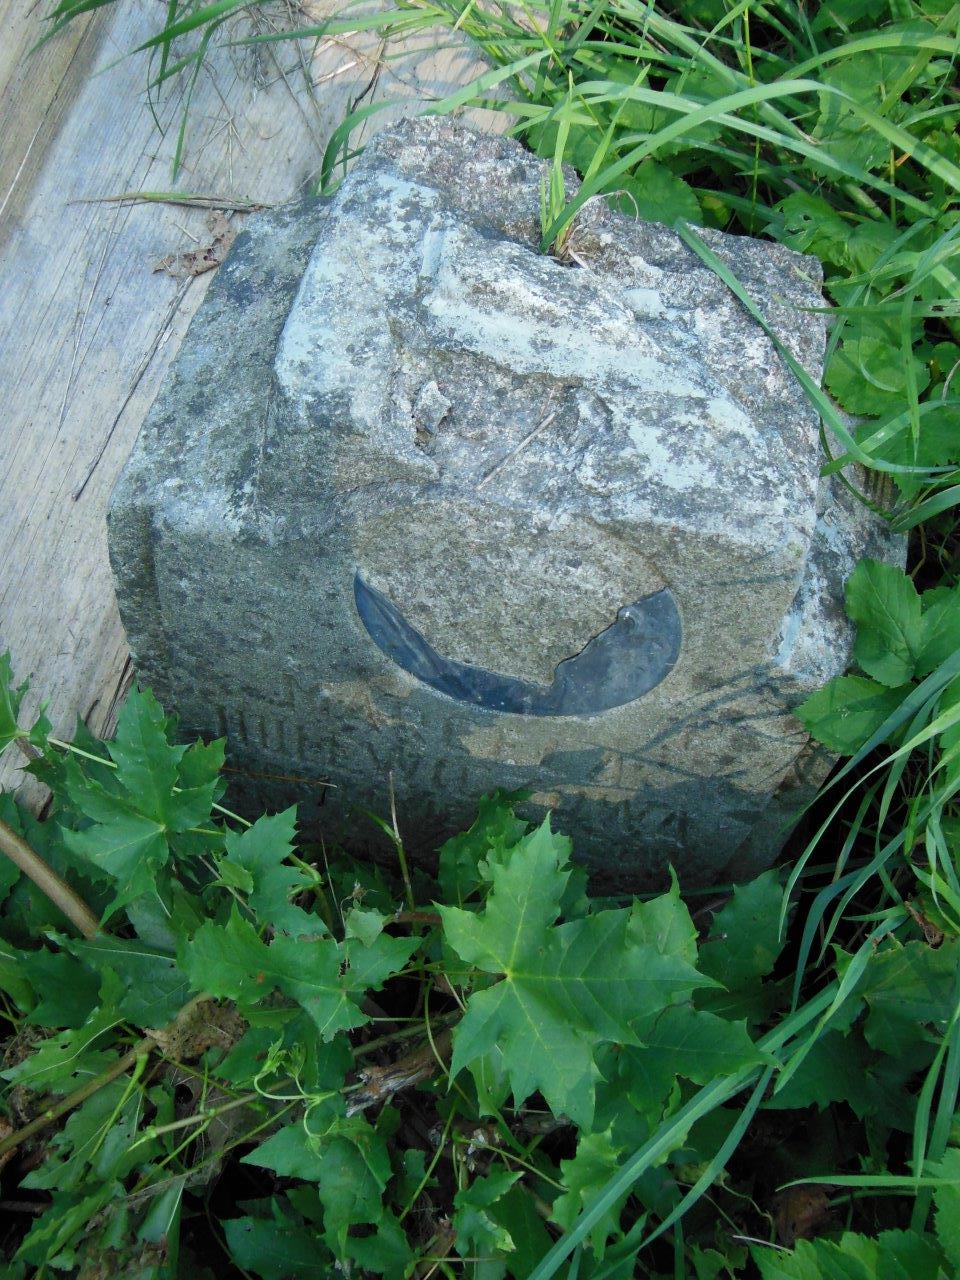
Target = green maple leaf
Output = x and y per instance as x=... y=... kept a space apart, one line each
x=147 y=764
x=350 y=1166
x=665 y=924
x=276 y=1248
x=153 y=988
x=232 y=960
x=462 y=859
x=140 y=810
x=477 y=1230
x=699 y=1045
x=129 y=848
x=67 y=992
x=261 y=851
x=11 y=696
x=742 y=950
x=585 y=1177
x=562 y=989
x=906 y=987
x=893 y=1255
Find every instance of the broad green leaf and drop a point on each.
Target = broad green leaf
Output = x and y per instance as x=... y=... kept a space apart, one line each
x=146 y=762
x=66 y=1217
x=698 y=1045
x=496 y=829
x=231 y=960
x=130 y=848
x=893 y=1255
x=745 y=934
x=350 y=1172
x=517 y=1214
x=523 y=904
x=848 y=382
x=201 y=764
x=13 y=980
x=946 y=1199
x=656 y=194
x=286 y=1041
x=233 y=876
x=386 y=1252
x=365 y=926
x=905 y=987
x=584 y=1177
x=78 y=1141
x=646 y=1082
x=940 y=632
x=67 y=992
x=883 y=602
x=812 y=225
x=72 y=1057
x=152 y=986
x=848 y=710
x=563 y=989
x=276 y=1249
x=834 y=1070
x=664 y=923
x=289 y=1153
x=478 y=1232
x=262 y=851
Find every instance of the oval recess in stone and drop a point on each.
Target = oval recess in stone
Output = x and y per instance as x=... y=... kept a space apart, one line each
x=500 y=586
x=621 y=664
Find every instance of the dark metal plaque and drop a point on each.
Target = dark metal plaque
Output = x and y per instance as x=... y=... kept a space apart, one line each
x=617 y=666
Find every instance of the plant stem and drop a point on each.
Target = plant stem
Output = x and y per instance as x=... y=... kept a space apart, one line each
x=48 y=882
x=401 y=852
x=415 y=917
x=140 y=1049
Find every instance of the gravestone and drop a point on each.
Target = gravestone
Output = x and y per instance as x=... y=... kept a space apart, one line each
x=420 y=502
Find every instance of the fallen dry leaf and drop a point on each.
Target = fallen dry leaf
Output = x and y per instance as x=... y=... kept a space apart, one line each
x=801 y=1213
x=201 y=1025
x=195 y=262
x=933 y=935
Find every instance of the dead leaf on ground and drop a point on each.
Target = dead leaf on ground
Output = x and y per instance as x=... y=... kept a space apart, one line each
x=195 y=262
x=203 y=1025
x=932 y=933
x=802 y=1212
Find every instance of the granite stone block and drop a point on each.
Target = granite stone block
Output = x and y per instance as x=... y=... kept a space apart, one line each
x=420 y=501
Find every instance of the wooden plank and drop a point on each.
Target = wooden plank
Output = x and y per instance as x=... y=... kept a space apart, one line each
x=88 y=328
x=36 y=90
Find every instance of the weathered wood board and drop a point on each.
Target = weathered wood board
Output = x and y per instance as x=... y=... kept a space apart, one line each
x=87 y=326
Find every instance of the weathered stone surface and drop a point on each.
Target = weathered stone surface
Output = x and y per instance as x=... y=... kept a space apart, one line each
x=420 y=500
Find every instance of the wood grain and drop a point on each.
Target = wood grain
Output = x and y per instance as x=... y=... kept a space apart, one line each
x=87 y=327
